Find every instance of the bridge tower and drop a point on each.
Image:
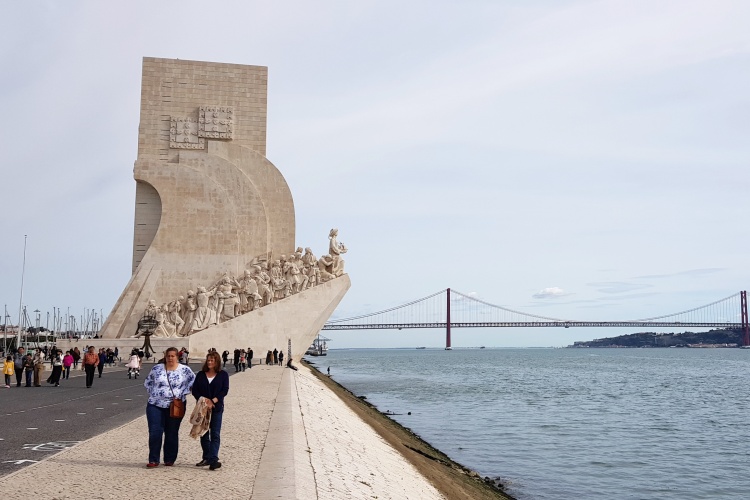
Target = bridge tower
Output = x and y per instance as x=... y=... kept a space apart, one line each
x=448 y=321
x=743 y=311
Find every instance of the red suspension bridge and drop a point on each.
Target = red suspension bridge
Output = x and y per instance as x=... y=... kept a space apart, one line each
x=452 y=309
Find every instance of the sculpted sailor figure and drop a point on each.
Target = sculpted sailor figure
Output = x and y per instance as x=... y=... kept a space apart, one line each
x=280 y=285
x=151 y=309
x=335 y=250
x=175 y=308
x=164 y=327
x=300 y=266
x=310 y=267
x=325 y=266
x=250 y=299
x=190 y=307
x=228 y=300
x=204 y=317
x=264 y=283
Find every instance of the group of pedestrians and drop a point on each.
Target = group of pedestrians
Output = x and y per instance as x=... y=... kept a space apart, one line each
x=275 y=357
x=242 y=359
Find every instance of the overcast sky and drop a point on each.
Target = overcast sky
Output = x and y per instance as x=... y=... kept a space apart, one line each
x=576 y=159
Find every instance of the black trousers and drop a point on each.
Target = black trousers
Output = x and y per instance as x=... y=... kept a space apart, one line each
x=90 y=370
x=19 y=376
x=56 y=372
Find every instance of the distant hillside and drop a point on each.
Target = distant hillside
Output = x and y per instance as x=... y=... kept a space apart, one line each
x=723 y=337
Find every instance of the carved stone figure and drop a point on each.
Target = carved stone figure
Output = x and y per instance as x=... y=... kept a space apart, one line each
x=175 y=310
x=164 y=328
x=250 y=299
x=228 y=301
x=264 y=284
x=190 y=307
x=281 y=287
x=204 y=316
x=151 y=309
x=335 y=249
x=325 y=266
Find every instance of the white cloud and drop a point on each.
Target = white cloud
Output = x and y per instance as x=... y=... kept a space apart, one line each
x=550 y=293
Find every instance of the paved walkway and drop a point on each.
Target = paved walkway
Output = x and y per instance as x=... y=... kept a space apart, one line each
x=284 y=435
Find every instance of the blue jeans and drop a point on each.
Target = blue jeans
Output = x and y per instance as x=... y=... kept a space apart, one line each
x=160 y=424
x=211 y=440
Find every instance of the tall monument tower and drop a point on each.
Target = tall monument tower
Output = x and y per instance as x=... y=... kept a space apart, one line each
x=208 y=202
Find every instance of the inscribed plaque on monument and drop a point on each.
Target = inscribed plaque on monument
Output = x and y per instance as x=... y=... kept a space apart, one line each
x=215 y=122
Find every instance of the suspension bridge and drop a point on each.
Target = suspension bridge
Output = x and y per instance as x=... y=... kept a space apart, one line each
x=449 y=309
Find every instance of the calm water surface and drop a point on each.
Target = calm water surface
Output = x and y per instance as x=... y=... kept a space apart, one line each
x=572 y=423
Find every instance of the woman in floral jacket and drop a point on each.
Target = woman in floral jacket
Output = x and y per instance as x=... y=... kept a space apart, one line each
x=167 y=381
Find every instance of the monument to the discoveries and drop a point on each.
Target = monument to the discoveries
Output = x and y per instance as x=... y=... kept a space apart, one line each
x=214 y=255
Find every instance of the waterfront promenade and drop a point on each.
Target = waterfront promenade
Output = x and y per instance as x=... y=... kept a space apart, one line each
x=285 y=435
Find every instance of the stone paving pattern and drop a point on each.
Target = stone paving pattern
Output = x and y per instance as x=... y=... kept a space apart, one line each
x=284 y=435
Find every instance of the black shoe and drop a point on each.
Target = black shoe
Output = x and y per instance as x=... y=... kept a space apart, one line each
x=57 y=385
x=214 y=466
x=202 y=463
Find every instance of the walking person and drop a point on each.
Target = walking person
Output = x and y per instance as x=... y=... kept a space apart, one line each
x=90 y=362
x=236 y=360
x=281 y=358
x=275 y=357
x=18 y=362
x=57 y=367
x=249 y=358
x=8 y=370
x=67 y=363
x=76 y=357
x=243 y=360
x=102 y=361
x=38 y=367
x=212 y=383
x=225 y=358
x=167 y=381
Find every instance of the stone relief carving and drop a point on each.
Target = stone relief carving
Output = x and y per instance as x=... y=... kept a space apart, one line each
x=183 y=134
x=259 y=286
x=216 y=122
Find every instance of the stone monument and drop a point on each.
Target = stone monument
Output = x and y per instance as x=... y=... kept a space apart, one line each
x=214 y=257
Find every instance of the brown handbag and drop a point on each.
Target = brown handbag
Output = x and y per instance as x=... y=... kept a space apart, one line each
x=177 y=406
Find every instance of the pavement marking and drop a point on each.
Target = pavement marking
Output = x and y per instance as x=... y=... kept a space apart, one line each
x=59 y=420
x=32 y=428
x=115 y=403
x=81 y=413
x=19 y=462
x=128 y=399
x=100 y=408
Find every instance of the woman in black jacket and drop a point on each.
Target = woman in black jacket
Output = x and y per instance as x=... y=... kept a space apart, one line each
x=212 y=383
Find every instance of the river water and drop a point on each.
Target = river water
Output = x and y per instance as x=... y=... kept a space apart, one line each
x=572 y=423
